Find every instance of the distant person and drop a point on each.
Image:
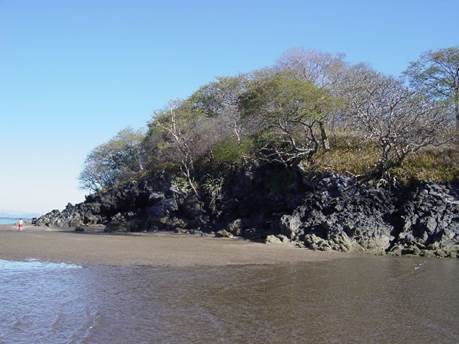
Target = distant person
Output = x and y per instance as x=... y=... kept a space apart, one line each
x=21 y=225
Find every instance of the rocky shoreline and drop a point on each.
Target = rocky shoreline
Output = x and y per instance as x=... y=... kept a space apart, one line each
x=272 y=204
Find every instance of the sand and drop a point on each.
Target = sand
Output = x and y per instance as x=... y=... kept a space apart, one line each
x=159 y=249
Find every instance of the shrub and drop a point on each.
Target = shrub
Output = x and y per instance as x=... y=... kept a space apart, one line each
x=430 y=166
x=231 y=151
x=347 y=155
x=350 y=155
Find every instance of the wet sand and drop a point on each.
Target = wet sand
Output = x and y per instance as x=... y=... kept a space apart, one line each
x=180 y=292
x=158 y=249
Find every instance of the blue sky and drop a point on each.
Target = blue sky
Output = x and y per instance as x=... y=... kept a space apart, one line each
x=75 y=72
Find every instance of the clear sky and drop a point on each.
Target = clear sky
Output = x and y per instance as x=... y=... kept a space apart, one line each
x=74 y=72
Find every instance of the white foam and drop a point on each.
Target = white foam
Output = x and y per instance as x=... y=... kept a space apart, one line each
x=33 y=265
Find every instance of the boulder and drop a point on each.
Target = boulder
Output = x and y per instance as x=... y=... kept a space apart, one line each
x=277 y=239
x=223 y=234
x=235 y=227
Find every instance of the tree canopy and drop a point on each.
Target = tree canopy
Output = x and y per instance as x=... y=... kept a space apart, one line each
x=286 y=111
x=287 y=114
x=437 y=74
x=113 y=162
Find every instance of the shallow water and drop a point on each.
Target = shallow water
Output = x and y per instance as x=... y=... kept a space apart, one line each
x=7 y=221
x=357 y=300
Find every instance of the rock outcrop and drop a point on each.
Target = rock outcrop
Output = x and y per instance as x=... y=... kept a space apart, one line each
x=342 y=215
x=327 y=212
x=428 y=222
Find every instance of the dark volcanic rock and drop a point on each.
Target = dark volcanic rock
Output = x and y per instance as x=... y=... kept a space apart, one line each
x=342 y=215
x=328 y=212
x=429 y=222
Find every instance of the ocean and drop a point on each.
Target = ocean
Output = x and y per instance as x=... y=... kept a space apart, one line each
x=356 y=300
x=7 y=221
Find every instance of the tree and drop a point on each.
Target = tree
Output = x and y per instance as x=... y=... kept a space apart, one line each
x=398 y=120
x=437 y=74
x=289 y=114
x=322 y=69
x=113 y=162
x=181 y=135
x=219 y=100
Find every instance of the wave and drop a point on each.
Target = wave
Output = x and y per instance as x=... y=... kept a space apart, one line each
x=33 y=265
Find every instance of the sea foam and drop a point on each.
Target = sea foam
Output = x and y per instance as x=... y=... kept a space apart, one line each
x=33 y=265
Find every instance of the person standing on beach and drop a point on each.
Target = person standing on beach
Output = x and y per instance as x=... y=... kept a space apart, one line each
x=21 y=225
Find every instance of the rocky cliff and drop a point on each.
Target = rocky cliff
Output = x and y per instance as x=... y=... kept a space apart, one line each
x=326 y=212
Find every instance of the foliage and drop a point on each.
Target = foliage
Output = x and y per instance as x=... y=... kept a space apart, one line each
x=430 y=166
x=290 y=112
x=113 y=162
x=349 y=156
x=231 y=151
x=180 y=135
x=213 y=185
x=399 y=121
x=181 y=185
x=437 y=74
x=311 y=109
x=322 y=69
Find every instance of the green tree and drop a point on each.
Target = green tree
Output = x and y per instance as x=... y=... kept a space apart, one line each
x=179 y=136
x=437 y=73
x=113 y=162
x=219 y=99
x=290 y=116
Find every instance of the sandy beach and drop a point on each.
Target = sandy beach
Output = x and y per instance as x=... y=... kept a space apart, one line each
x=161 y=249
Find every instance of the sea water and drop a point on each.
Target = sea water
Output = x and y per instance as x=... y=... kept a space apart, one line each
x=354 y=300
x=7 y=221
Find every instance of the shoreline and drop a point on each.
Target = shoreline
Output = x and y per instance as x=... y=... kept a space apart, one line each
x=154 y=249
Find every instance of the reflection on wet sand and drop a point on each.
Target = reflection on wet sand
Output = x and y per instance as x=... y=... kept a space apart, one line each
x=356 y=300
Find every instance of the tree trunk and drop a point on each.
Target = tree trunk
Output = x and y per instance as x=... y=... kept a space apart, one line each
x=456 y=109
x=188 y=175
x=140 y=161
x=193 y=187
x=324 y=138
x=456 y=112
